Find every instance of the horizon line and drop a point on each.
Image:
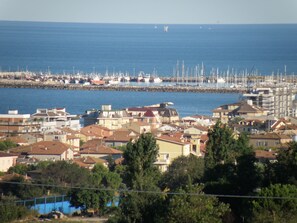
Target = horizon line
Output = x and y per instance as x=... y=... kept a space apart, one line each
x=128 y=23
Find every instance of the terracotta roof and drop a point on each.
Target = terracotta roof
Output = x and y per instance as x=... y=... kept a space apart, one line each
x=94 y=130
x=89 y=160
x=246 y=108
x=15 y=139
x=43 y=148
x=120 y=136
x=72 y=137
x=269 y=136
x=2 y=154
x=101 y=150
x=69 y=130
x=203 y=138
x=265 y=154
x=93 y=143
x=173 y=139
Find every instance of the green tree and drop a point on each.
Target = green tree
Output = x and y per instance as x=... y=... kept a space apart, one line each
x=104 y=185
x=281 y=209
x=285 y=170
x=182 y=170
x=191 y=205
x=220 y=146
x=6 y=145
x=139 y=160
x=230 y=167
x=140 y=175
x=9 y=211
x=20 y=169
x=21 y=188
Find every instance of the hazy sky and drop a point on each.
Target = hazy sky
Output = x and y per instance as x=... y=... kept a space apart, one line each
x=151 y=11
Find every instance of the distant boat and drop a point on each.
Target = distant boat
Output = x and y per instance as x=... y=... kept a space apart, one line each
x=221 y=80
x=146 y=78
x=166 y=29
x=156 y=80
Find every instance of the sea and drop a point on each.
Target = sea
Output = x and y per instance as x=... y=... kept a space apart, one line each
x=72 y=48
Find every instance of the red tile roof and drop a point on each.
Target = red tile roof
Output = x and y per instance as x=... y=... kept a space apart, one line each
x=101 y=150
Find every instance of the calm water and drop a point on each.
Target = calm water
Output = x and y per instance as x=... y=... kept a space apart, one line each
x=71 y=47
x=76 y=102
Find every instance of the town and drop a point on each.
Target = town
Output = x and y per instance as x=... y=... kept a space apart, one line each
x=266 y=115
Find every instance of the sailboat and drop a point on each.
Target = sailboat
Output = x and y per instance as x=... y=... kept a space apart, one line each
x=166 y=29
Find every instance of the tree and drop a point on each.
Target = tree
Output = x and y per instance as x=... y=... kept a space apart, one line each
x=63 y=174
x=20 y=169
x=230 y=167
x=139 y=161
x=6 y=145
x=285 y=169
x=9 y=211
x=281 y=209
x=21 y=188
x=191 y=205
x=182 y=170
x=220 y=146
x=140 y=176
x=104 y=185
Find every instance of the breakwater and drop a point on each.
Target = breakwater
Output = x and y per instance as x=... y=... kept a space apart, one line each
x=61 y=86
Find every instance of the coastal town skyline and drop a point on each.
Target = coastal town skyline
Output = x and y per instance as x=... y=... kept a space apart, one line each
x=151 y=12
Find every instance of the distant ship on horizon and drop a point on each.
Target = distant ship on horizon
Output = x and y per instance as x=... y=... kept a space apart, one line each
x=166 y=29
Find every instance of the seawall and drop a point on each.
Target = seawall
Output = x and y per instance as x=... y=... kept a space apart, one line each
x=61 y=86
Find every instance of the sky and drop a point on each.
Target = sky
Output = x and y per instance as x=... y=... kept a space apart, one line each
x=152 y=11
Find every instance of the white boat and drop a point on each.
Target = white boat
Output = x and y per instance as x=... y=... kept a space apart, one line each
x=146 y=78
x=113 y=81
x=221 y=80
x=156 y=80
x=125 y=78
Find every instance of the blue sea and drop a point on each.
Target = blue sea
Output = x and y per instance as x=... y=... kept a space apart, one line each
x=85 y=48
x=74 y=47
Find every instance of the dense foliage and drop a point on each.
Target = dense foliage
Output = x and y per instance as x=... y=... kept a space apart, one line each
x=6 y=145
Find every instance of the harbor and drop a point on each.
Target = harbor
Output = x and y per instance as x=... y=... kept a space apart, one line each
x=198 y=82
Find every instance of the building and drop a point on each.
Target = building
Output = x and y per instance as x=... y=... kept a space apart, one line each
x=13 y=123
x=244 y=109
x=159 y=113
x=94 y=132
x=113 y=119
x=45 y=150
x=7 y=160
x=269 y=140
x=56 y=118
x=278 y=101
x=102 y=152
x=172 y=146
x=120 y=138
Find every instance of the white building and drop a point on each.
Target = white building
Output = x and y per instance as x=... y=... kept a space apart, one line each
x=56 y=118
x=277 y=100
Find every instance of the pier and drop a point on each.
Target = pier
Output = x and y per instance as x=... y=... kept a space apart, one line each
x=61 y=86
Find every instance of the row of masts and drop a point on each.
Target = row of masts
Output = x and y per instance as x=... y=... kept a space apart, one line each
x=198 y=75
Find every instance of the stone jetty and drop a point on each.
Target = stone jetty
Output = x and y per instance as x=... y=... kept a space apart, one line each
x=6 y=83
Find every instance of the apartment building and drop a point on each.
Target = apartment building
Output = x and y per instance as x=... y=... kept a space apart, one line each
x=13 y=123
x=277 y=100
